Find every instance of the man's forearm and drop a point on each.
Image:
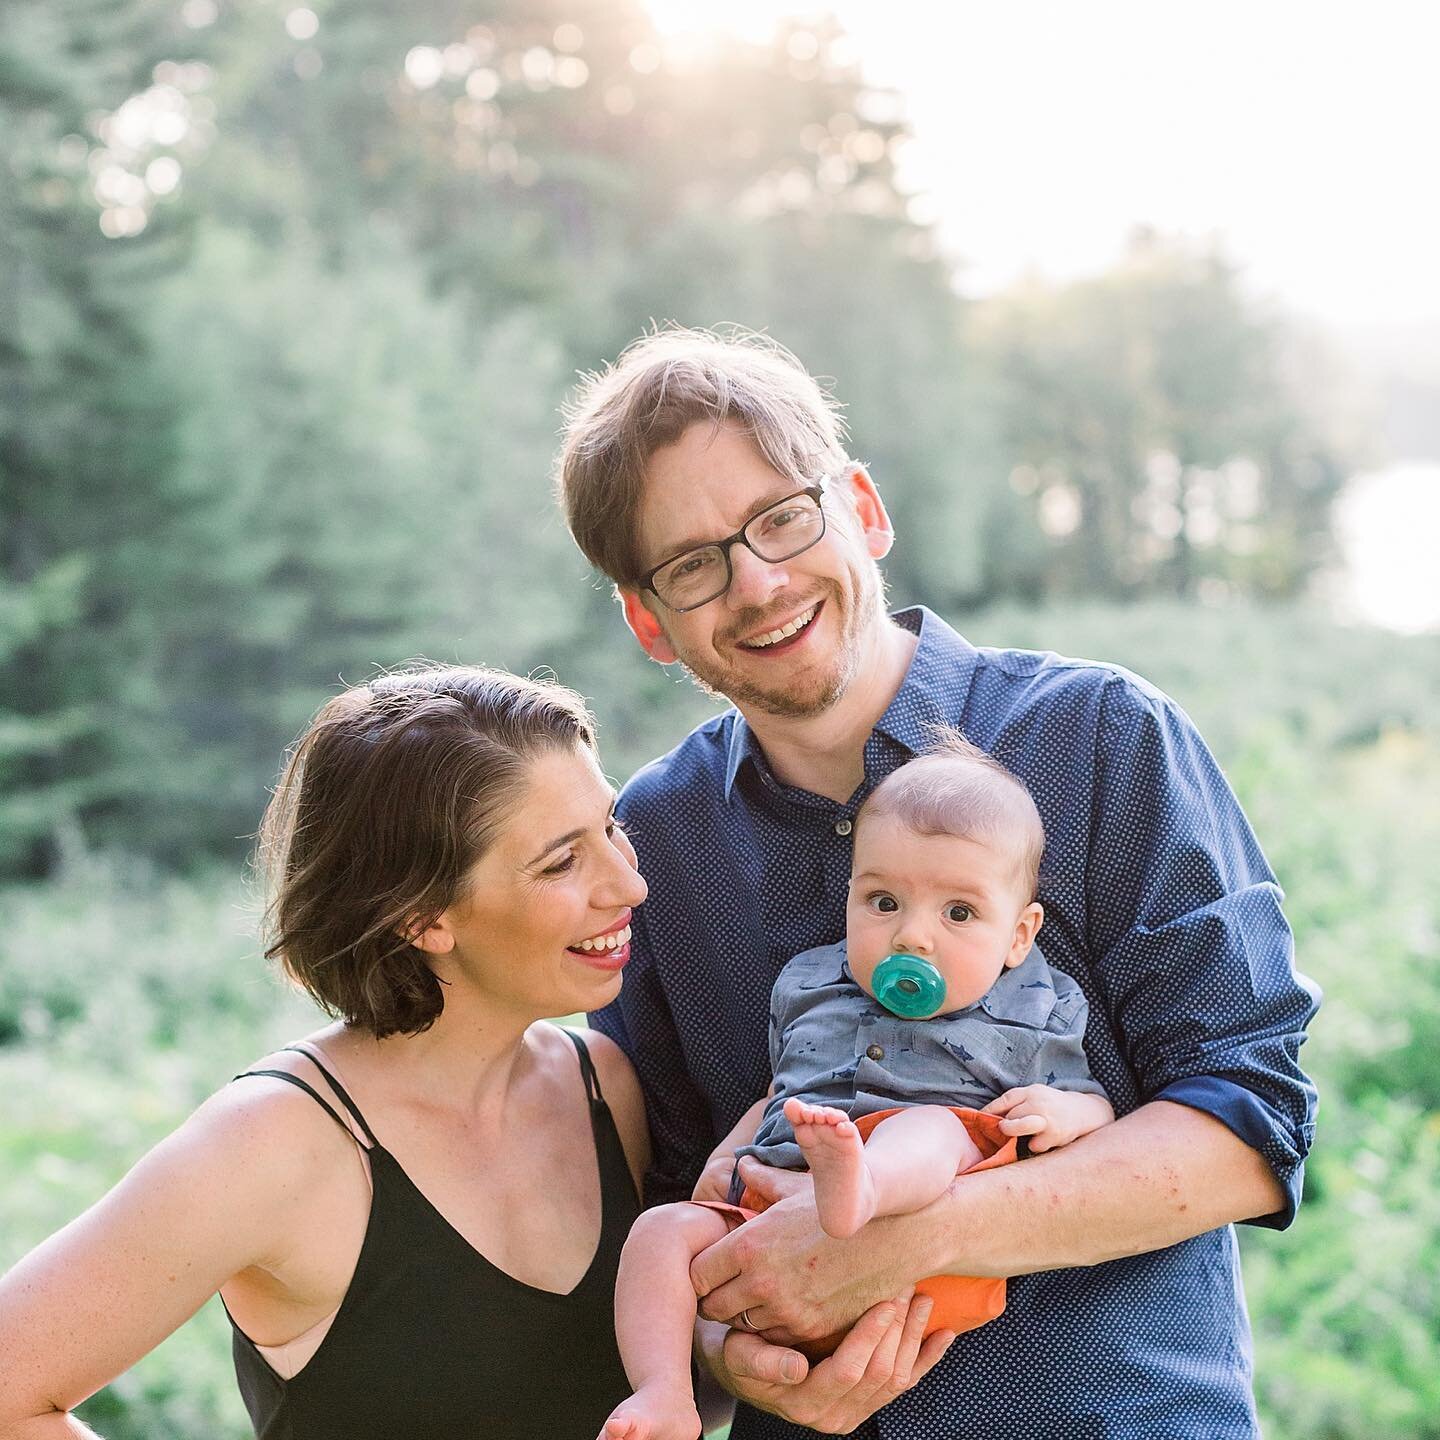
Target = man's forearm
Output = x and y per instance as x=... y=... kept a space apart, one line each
x=1158 y=1176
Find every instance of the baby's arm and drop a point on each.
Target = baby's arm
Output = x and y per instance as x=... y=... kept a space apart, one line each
x=714 y=1181
x=1050 y=1117
x=655 y=1321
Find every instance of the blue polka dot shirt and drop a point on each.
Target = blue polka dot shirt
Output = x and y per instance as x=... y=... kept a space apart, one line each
x=1157 y=901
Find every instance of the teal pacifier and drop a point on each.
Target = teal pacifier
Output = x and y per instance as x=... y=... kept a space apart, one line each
x=908 y=986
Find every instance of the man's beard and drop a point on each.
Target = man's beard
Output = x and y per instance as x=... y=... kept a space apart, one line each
x=866 y=603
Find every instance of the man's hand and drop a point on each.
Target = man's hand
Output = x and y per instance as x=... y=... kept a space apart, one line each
x=794 y=1280
x=883 y=1356
x=1050 y=1117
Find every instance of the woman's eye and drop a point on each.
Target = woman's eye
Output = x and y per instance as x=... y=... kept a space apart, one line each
x=958 y=914
x=560 y=866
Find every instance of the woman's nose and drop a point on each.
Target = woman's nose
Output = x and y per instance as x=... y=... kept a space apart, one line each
x=624 y=878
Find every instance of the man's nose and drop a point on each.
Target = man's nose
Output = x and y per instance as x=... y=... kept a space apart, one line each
x=752 y=580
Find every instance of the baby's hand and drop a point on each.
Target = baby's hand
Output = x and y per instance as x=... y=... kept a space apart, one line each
x=714 y=1181
x=1050 y=1117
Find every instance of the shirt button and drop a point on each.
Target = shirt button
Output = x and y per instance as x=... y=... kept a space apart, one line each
x=842 y=827
x=875 y=1052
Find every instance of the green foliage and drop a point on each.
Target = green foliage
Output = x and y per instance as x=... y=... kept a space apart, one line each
x=290 y=414
x=126 y=997
x=127 y=994
x=302 y=422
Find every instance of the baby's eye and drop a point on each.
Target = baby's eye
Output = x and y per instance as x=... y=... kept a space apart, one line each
x=885 y=904
x=958 y=914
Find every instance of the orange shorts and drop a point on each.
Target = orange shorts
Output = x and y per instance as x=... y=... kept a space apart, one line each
x=962 y=1302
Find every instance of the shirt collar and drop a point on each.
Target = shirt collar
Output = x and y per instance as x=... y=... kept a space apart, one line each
x=934 y=692
x=1024 y=995
x=936 y=685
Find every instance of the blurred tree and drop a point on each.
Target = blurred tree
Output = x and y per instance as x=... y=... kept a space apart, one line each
x=297 y=292
x=1148 y=419
x=85 y=433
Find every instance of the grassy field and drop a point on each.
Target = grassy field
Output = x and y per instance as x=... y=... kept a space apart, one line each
x=126 y=995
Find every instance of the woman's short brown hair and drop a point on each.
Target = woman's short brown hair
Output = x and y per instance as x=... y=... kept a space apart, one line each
x=661 y=385
x=386 y=801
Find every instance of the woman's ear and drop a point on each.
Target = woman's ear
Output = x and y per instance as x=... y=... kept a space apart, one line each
x=436 y=938
x=646 y=628
x=1027 y=927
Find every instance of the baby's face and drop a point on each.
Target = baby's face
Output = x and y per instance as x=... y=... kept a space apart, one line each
x=957 y=903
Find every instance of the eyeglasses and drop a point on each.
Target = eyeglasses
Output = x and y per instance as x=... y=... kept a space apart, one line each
x=779 y=532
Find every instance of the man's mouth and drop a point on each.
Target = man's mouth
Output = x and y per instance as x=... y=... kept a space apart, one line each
x=786 y=634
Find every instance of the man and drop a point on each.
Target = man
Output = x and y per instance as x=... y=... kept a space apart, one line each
x=707 y=478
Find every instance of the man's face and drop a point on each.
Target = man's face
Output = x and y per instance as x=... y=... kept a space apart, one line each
x=706 y=486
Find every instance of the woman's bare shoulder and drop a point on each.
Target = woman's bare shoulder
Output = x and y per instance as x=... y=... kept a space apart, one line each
x=260 y=1118
x=622 y=1094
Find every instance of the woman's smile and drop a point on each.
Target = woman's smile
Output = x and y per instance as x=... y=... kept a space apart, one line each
x=607 y=951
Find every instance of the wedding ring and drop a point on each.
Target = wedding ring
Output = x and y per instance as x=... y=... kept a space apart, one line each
x=744 y=1321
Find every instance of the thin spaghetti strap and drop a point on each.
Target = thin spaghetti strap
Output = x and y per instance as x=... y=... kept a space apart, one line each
x=314 y=1094
x=339 y=1090
x=587 y=1067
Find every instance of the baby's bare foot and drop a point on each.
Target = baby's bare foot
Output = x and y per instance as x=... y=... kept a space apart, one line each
x=844 y=1191
x=654 y=1412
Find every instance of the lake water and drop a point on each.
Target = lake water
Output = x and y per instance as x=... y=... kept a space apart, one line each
x=1387 y=523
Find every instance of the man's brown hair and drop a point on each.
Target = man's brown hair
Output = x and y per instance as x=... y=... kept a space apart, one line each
x=392 y=794
x=955 y=788
x=661 y=385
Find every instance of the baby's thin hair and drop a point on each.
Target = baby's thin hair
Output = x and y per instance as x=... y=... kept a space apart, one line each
x=955 y=788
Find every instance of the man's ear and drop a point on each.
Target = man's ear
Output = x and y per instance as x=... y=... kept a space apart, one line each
x=1027 y=927
x=869 y=509
x=645 y=627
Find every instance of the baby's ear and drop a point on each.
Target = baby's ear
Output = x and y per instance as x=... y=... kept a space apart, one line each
x=1027 y=927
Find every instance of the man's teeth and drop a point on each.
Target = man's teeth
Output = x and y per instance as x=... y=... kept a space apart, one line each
x=605 y=942
x=784 y=632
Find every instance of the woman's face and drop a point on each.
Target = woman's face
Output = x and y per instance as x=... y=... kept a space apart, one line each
x=542 y=925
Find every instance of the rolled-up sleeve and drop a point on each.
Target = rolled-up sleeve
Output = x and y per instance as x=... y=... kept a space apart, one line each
x=1194 y=957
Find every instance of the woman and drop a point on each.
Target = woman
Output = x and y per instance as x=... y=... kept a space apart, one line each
x=414 y=1216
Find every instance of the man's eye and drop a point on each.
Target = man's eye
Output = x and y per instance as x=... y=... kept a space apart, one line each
x=778 y=519
x=959 y=914
x=688 y=566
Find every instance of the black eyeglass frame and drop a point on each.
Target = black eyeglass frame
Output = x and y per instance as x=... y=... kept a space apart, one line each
x=816 y=492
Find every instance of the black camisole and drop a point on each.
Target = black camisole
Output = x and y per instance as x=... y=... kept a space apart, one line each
x=432 y=1341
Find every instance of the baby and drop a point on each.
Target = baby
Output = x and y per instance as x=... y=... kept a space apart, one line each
x=935 y=1002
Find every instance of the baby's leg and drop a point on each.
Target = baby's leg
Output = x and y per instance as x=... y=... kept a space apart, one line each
x=655 y=1320
x=910 y=1159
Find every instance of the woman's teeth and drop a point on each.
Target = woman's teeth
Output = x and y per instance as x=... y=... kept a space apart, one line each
x=784 y=632
x=605 y=942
